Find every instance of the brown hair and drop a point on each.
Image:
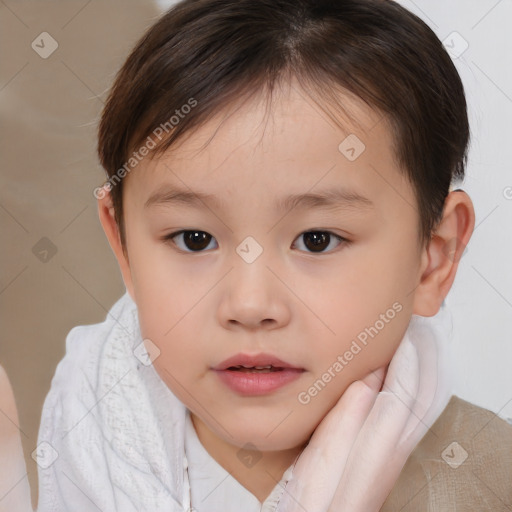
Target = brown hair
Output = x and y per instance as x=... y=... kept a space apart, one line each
x=208 y=53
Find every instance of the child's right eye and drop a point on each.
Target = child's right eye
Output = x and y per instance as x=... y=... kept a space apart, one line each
x=194 y=240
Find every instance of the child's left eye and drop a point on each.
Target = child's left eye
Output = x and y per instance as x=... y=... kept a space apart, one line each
x=320 y=239
x=198 y=241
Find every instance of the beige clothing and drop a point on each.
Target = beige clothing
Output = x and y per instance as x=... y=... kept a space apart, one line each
x=464 y=463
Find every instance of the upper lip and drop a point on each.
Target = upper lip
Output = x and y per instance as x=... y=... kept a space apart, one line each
x=252 y=360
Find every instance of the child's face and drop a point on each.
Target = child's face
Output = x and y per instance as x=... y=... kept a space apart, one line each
x=305 y=307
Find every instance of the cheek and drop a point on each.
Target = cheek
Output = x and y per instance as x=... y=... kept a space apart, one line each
x=180 y=364
x=345 y=362
x=176 y=376
x=376 y=308
x=165 y=319
x=367 y=313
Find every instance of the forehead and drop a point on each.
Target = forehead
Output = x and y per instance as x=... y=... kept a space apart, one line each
x=265 y=152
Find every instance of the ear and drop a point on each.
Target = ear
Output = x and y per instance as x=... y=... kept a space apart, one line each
x=441 y=257
x=108 y=221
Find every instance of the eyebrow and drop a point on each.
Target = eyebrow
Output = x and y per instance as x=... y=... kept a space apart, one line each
x=330 y=199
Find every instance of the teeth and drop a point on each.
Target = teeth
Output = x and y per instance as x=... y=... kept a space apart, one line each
x=254 y=367
x=264 y=369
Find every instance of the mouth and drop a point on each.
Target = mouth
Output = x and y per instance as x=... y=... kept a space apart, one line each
x=258 y=374
x=255 y=362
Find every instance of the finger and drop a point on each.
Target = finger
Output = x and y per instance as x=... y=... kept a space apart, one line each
x=430 y=338
x=372 y=463
x=317 y=471
x=375 y=379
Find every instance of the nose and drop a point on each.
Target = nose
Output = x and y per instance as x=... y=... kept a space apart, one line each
x=254 y=298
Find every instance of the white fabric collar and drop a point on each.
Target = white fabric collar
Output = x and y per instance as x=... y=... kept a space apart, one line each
x=213 y=488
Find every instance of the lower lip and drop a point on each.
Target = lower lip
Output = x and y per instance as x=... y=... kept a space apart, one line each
x=246 y=383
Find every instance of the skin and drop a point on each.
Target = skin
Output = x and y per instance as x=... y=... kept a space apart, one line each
x=14 y=486
x=306 y=307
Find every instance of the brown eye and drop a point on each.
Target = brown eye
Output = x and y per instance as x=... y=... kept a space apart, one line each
x=192 y=240
x=318 y=241
x=198 y=241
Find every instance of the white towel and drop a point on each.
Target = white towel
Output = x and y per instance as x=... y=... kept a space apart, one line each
x=114 y=428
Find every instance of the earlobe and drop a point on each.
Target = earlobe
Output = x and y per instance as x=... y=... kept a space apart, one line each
x=107 y=218
x=441 y=257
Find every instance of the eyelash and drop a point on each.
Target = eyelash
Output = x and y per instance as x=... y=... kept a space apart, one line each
x=169 y=238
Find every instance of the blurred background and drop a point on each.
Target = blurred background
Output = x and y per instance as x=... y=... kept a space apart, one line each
x=57 y=271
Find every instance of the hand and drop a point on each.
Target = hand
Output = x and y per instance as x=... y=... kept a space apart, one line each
x=14 y=485
x=359 y=449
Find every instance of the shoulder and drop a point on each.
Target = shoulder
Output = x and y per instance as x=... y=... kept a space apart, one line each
x=464 y=428
x=84 y=348
x=75 y=384
x=70 y=439
x=464 y=462
x=469 y=423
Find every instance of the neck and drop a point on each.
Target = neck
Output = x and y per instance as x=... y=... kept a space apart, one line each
x=258 y=472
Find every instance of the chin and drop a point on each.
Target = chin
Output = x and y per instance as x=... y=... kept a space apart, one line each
x=265 y=436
